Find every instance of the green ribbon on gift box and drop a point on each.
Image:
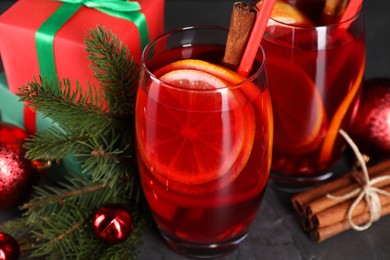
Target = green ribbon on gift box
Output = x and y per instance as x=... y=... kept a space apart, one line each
x=45 y=34
x=115 y=5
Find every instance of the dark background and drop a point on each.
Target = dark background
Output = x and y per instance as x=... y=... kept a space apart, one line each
x=276 y=233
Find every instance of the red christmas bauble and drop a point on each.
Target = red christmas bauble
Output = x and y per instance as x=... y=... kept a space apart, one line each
x=17 y=174
x=371 y=127
x=9 y=248
x=112 y=223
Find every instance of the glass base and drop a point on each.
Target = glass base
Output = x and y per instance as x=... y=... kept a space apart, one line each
x=298 y=183
x=203 y=251
x=290 y=183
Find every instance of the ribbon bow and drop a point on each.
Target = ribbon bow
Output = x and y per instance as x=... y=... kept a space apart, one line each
x=115 y=5
x=367 y=191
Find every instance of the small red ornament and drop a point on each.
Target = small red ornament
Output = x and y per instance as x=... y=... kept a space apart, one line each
x=112 y=223
x=371 y=127
x=17 y=174
x=9 y=248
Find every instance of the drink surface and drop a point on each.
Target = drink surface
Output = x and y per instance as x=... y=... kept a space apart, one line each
x=315 y=79
x=204 y=156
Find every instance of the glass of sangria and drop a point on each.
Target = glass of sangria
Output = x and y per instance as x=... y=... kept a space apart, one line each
x=204 y=141
x=315 y=72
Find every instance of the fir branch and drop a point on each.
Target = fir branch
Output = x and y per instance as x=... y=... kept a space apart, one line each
x=114 y=69
x=73 y=228
x=59 y=102
x=52 y=144
x=59 y=198
x=99 y=156
x=58 y=219
x=74 y=190
x=68 y=235
x=56 y=234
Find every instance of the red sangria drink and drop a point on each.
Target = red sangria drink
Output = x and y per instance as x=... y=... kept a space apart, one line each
x=204 y=141
x=315 y=73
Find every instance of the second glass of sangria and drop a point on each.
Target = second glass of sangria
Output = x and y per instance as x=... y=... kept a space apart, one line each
x=315 y=67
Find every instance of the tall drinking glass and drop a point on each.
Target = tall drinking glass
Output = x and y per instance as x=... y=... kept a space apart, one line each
x=204 y=137
x=315 y=75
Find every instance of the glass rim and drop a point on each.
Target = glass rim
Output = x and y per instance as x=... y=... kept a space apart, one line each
x=317 y=27
x=150 y=45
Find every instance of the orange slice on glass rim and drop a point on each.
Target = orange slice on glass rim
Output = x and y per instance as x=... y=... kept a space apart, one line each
x=298 y=108
x=200 y=148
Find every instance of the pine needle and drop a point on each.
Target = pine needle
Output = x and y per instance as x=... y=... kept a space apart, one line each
x=114 y=68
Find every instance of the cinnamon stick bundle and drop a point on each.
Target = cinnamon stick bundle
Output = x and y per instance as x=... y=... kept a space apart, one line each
x=321 y=234
x=325 y=217
x=324 y=202
x=339 y=212
x=302 y=200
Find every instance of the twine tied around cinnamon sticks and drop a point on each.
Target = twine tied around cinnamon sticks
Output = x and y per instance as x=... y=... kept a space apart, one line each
x=366 y=191
x=356 y=198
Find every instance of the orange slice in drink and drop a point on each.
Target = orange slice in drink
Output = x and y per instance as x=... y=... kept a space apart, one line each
x=287 y=14
x=334 y=127
x=204 y=137
x=193 y=79
x=298 y=109
x=201 y=65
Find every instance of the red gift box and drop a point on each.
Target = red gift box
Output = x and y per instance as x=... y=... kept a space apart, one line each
x=19 y=25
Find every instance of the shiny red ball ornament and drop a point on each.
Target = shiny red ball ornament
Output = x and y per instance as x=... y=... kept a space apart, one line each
x=112 y=223
x=371 y=127
x=17 y=174
x=9 y=248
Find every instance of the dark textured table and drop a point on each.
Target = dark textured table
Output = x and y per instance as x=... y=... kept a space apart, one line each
x=276 y=233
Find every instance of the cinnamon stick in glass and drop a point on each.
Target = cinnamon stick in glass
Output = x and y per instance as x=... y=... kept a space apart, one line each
x=241 y=24
x=302 y=200
x=322 y=234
